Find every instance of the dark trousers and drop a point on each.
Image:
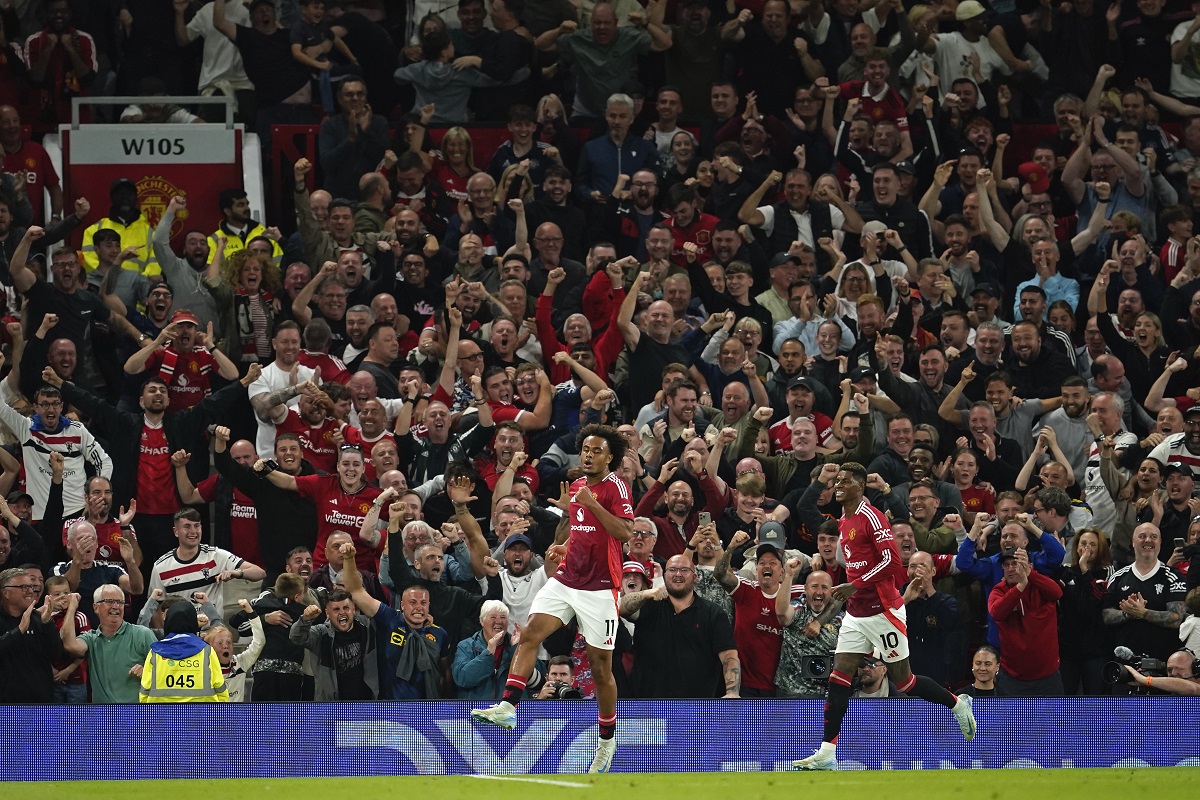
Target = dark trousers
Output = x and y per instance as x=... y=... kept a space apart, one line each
x=1049 y=686
x=276 y=687
x=1083 y=676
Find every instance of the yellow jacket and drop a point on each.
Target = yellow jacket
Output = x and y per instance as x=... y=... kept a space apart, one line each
x=234 y=243
x=136 y=234
x=177 y=671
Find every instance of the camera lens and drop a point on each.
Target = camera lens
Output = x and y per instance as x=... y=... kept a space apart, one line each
x=1113 y=673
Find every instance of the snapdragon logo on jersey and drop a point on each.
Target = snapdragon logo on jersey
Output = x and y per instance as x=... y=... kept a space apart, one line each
x=559 y=737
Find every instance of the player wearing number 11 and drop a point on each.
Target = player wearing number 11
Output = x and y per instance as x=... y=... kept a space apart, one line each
x=875 y=622
x=599 y=519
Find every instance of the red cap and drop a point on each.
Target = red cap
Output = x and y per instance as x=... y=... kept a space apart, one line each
x=184 y=315
x=1035 y=176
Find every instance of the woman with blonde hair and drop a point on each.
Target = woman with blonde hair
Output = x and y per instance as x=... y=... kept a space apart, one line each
x=454 y=163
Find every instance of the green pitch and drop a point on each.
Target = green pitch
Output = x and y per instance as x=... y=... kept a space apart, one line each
x=1010 y=784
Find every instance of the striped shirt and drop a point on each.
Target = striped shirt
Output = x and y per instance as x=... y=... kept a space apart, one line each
x=1174 y=450
x=78 y=447
x=197 y=574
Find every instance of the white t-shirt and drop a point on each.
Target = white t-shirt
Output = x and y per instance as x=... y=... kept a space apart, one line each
x=803 y=223
x=953 y=57
x=1185 y=76
x=222 y=61
x=273 y=379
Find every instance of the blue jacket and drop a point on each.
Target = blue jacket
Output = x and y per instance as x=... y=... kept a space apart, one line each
x=602 y=161
x=475 y=671
x=988 y=571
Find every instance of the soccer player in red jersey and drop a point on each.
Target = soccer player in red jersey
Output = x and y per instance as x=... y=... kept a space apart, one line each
x=599 y=520
x=875 y=621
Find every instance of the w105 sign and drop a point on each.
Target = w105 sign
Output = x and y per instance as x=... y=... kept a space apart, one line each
x=153 y=144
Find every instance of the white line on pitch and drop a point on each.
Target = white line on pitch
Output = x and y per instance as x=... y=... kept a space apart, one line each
x=544 y=781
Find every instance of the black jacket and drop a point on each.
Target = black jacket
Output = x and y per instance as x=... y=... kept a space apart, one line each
x=122 y=431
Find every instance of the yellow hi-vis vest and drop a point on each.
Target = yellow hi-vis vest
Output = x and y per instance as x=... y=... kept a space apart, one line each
x=136 y=234
x=195 y=679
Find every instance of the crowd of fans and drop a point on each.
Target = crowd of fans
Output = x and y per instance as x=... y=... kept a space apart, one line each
x=250 y=464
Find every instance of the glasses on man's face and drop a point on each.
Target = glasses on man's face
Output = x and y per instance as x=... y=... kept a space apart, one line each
x=109 y=602
x=548 y=238
x=678 y=570
x=23 y=587
x=644 y=184
x=643 y=534
x=475 y=357
x=50 y=405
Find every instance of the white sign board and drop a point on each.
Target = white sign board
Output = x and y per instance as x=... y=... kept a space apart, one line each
x=152 y=144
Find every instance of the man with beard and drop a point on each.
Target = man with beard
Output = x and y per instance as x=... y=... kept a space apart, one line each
x=179 y=356
x=1181 y=448
x=238 y=227
x=553 y=206
x=320 y=245
x=792 y=470
x=521 y=579
x=143 y=444
x=236 y=519
x=810 y=627
x=682 y=517
x=312 y=424
x=982 y=362
x=416 y=296
x=758 y=640
x=683 y=645
x=79 y=312
x=548 y=246
x=346 y=668
x=428 y=455
x=627 y=223
x=127 y=220
x=792 y=358
x=922 y=399
x=278 y=383
x=1069 y=422
x=13 y=225
x=508 y=442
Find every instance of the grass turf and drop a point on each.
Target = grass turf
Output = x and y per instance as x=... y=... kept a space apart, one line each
x=1010 y=784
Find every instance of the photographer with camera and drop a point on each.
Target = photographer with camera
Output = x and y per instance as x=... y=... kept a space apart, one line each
x=1144 y=605
x=810 y=632
x=560 y=680
x=1183 y=675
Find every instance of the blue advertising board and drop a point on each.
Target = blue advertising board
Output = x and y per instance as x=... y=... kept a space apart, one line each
x=558 y=737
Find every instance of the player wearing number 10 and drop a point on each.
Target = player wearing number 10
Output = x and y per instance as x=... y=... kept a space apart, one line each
x=599 y=520
x=875 y=622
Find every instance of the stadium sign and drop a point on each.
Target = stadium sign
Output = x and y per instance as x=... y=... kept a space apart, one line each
x=558 y=737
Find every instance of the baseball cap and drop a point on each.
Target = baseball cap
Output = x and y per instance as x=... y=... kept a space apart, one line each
x=990 y=289
x=518 y=538
x=1193 y=409
x=256 y=3
x=1182 y=469
x=634 y=568
x=1035 y=176
x=183 y=315
x=772 y=533
x=1007 y=555
x=906 y=166
x=783 y=258
x=801 y=382
x=874 y=226
x=160 y=285
x=767 y=547
x=969 y=9
x=17 y=496
x=861 y=373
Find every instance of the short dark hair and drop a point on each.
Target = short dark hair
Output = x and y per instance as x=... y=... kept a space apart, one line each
x=106 y=235
x=857 y=470
x=1056 y=500
x=433 y=44
x=190 y=514
x=337 y=596
x=521 y=112
x=957 y=219
x=677 y=385
x=227 y=196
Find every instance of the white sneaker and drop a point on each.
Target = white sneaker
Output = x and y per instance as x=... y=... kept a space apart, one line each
x=501 y=714
x=605 y=750
x=822 y=760
x=965 y=716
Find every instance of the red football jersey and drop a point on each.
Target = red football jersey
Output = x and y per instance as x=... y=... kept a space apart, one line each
x=316 y=444
x=872 y=561
x=593 y=561
x=757 y=633
x=781 y=433
x=339 y=511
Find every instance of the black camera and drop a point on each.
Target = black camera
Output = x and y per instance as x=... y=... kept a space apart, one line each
x=817 y=667
x=1114 y=671
x=565 y=691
